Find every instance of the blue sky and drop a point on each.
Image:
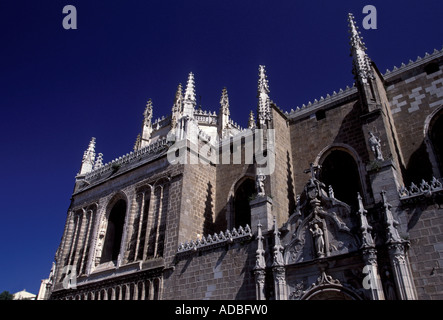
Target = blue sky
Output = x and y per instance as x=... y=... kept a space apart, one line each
x=59 y=88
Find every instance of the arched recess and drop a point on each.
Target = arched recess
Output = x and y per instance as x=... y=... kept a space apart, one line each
x=330 y=292
x=342 y=169
x=433 y=138
x=116 y=216
x=244 y=190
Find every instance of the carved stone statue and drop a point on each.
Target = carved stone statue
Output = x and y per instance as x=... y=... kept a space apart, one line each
x=99 y=246
x=375 y=145
x=319 y=240
x=260 y=185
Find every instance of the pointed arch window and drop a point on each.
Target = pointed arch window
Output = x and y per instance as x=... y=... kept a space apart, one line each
x=242 y=209
x=436 y=137
x=114 y=232
x=340 y=170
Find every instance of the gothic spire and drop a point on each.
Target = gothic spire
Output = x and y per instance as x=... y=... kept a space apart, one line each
x=391 y=224
x=251 y=121
x=189 y=98
x=148 y=113
x=365 y=228
x=137 y=143
x=260 y=263
x=88 y=158
x=224 y=103
x=223 y=117
x=361 y=62
x=177 y=106
x=264 y=102
x=147 y=125
x=99 y=161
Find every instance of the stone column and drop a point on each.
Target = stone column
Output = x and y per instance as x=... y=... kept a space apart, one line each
x=372 y=281
x=149 y=222
x=86 y=244
x=64 y=247
x=135 y=294
x=140 y=224
x=278 y=267
x=260 y=265
x=74 y=239
x=127 y=292
x=260 y=284
x=397 y=255
x=159 y=217
x=280 y=287
x=143 y=292
x=402 y=274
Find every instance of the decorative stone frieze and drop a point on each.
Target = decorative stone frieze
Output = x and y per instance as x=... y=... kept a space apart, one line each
x=216 y=240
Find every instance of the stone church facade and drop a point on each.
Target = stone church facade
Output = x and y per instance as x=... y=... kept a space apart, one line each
x=338 y=199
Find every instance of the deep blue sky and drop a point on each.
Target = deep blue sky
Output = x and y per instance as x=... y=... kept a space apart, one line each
x=59 y=88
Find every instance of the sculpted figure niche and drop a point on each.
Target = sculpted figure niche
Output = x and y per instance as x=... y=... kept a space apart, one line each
x=319 y=240
x=260 y=185
x=375 y=144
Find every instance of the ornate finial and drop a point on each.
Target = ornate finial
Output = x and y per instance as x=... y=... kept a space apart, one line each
x=177 y=106
x=190 y=88
x=260 y=263
x=361 y=209
x=189 y=98
x=278 y=248
x=224 y=102
x=145 y=137
x=178 y=99
x=391 y=224
x=99 y=161
x=148 y=113
x=263 y=85
x=264 y=102
x=91 y=146
x=223 y=117
x=251 y=121
x=88 y=158
x=137 y=143
x=313 y=170
x=367 y=240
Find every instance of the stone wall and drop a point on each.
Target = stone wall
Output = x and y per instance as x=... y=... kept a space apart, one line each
x=223 y=273
x=197 y=201
x=425 y=225
x=413 y=96
x=282 y=180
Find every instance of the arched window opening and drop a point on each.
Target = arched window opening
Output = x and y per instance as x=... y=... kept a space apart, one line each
x=114 y=232
x=242 y=209
x=436 y=136
x=340 y=171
